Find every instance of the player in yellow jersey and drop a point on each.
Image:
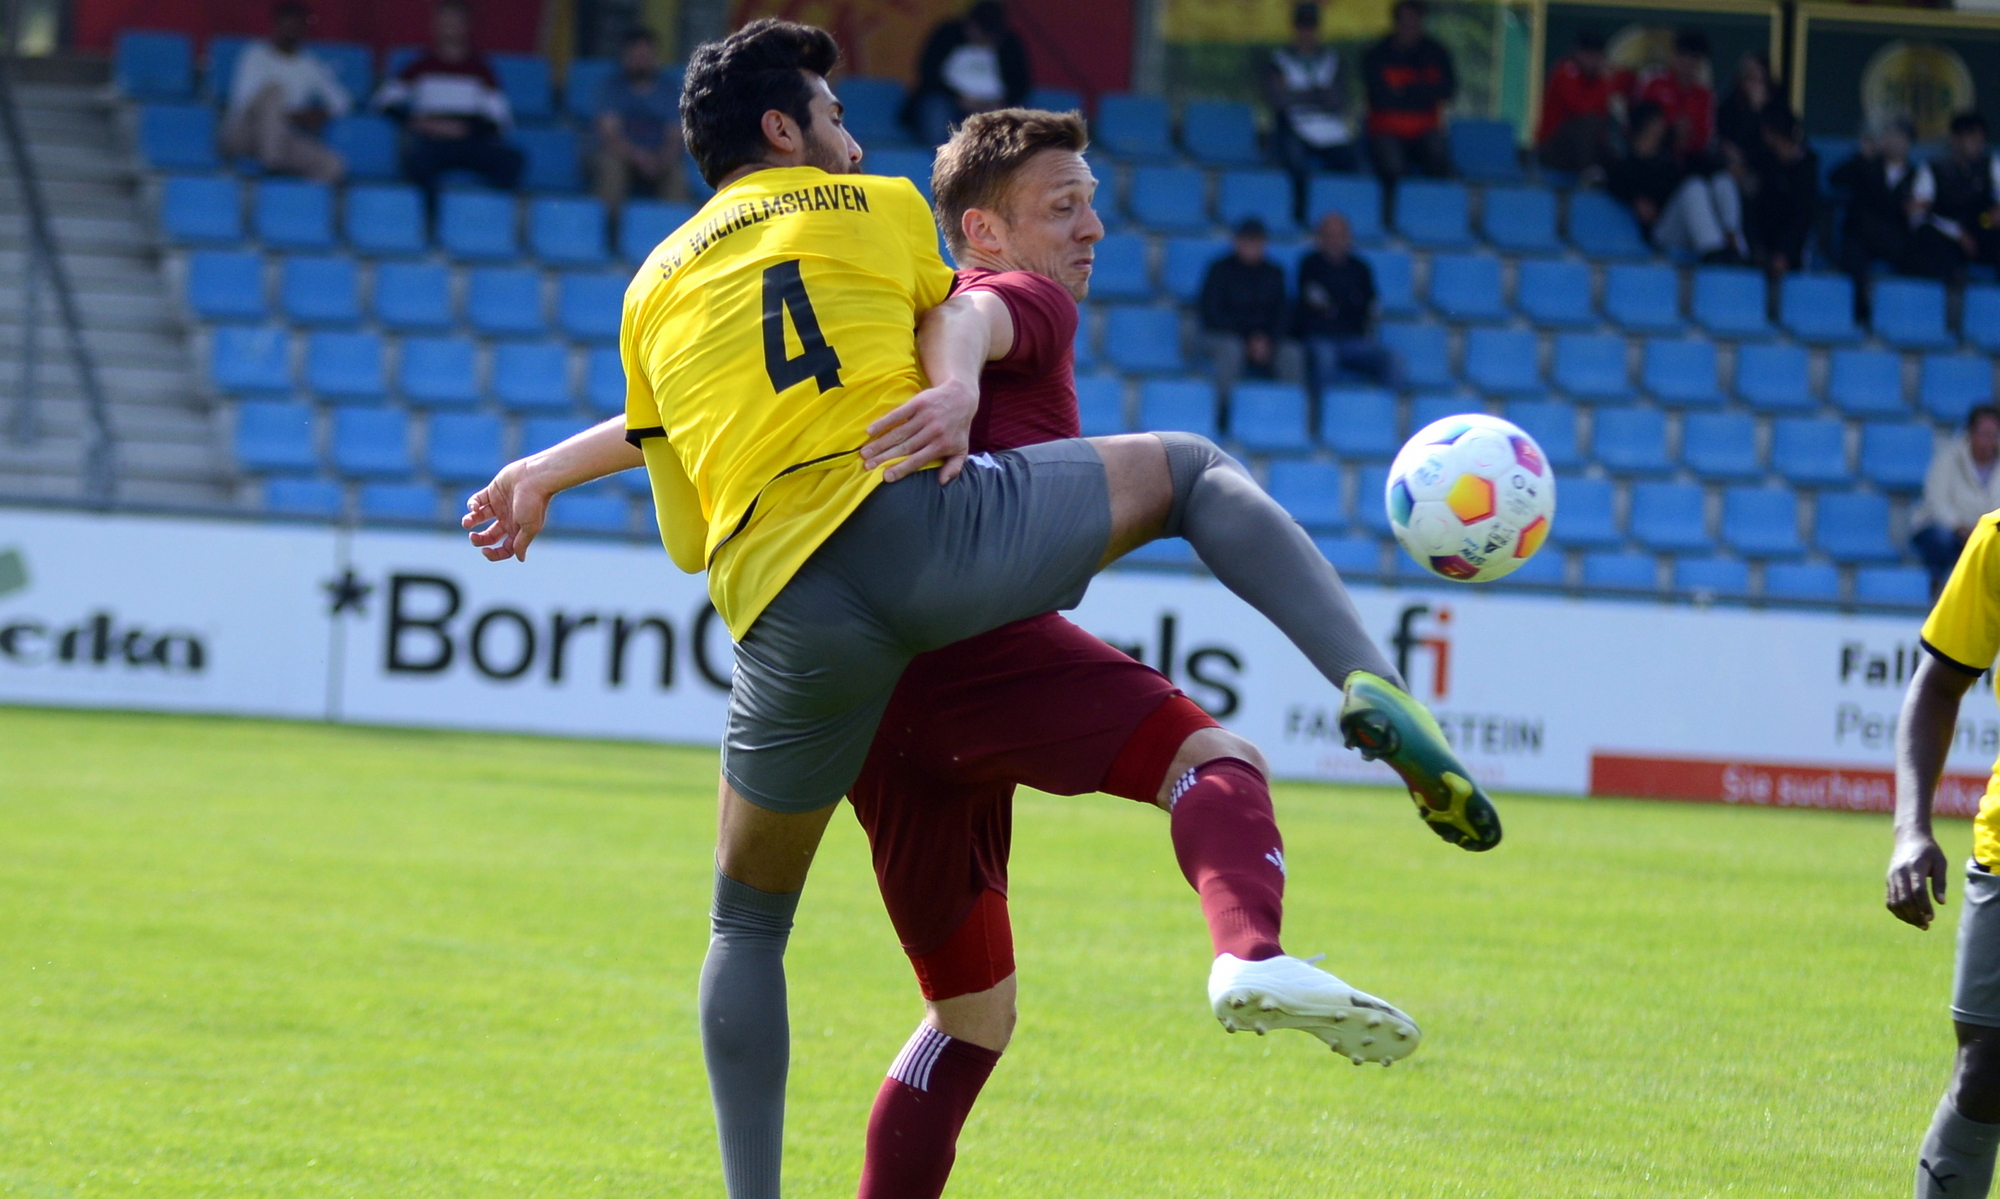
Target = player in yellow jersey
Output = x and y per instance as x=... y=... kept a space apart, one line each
x=1962 y=636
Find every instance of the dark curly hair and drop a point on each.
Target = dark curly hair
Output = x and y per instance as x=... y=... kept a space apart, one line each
x=732 y=83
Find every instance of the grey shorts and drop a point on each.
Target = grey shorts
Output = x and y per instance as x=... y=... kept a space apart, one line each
x=1975 y=982
x=916 y=568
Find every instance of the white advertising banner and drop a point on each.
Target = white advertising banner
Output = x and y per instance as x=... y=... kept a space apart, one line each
x=609 y=639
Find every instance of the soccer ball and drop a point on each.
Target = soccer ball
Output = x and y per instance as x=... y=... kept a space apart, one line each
x=1471 y=498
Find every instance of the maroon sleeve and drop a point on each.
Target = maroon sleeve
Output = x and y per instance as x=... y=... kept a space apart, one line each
x=1044 y=317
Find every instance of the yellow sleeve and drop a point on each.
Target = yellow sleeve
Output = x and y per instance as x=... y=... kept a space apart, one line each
x=1964 y=625
x=930 y=278
x=642 y=408
x=677 y=506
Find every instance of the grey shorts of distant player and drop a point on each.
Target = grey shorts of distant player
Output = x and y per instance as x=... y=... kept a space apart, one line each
x=916 y=568
x=1975 y=984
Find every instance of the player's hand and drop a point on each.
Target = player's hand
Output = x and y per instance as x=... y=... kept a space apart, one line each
x=934 y=426
x=1917 y=873
x=506 y=514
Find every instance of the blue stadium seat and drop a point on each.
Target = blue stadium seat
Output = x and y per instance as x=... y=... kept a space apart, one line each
x=873 y=107
x=644 y=224
x=1621 y=572
x=1466 y=287
x=1896 y=456
x=1727 y=578
x=524 y=79
x=304 y=497
x=1591 y=366
x=1434 y=214
x=346 y=367
x=1720 y=445
x=1555 y=293
x=477 y=225
x=1665 y=516
x=1982 y=318
x=1422 y=350
x=1502 y=362
x=1186 y=265
x=398 y=503
x=368 y=143
x=1426 y=410
x=567 y=230
x=384 y=219
x=1853 y=527
x=201 y=208
x=1802 y=581
x=583 y=86
x=1395 y=281
x=1359 y=422
x=1633 y=441
x=590 y=307
x=1485 y=150
x=1809 y=451
x=395 y=58
x=1681 y=373
x=1134 y=127
x=914 y=165
x=1642 y=297
x=1761 y=522
x=1603 y=228
x=1549 y=568
x=1818 y=308
x=1520 y=219
x=353 y=63
x=1055 y=99
x=320 y=290
x=590 y=513
x=371 y=442
x=1951 y=385
x=293 y=214
x=538 y=433
x=1310 y=491
x=1120 y=271
x=1585 y=513
x=1220 y=133
x=1371 y=506
x=532 y=376
x=1729 y=302
x=1100 y=404
x=1867 y=383
x=1169 y=199
x=149 y=65
x=604 y=380
x=440 y=372
x=505 y=301
x=413 y=295
x=1356 y=197
x=1355 y=555
x=1181 y=405
x=1288 y=255
x=1909 y=314
x=554 y=160
x=226 y=285
x=1143 y=339
x=464 y=447
x=1269 y=418
x=177 y=137
x=218 y=65
x=248 y=359
x=275 y=436
x=1774 y=378
x=1084 y=344
x=1266 y=195
x=1892 y=587
x=1552 y=424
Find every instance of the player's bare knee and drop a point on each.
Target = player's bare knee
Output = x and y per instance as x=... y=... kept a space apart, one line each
x=985 y=1018
x=1206 y=745
x=1141 y=489
x=1975 y=1089
x=766 y=850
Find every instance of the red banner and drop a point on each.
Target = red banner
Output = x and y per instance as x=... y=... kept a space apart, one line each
x=1771 y=784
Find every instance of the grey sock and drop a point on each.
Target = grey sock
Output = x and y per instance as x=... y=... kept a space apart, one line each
x=1956 y=1159
x=745 y=1033
x=1254 y=547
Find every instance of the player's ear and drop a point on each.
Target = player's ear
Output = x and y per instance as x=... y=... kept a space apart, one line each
x=981 y=230
x=781 y=134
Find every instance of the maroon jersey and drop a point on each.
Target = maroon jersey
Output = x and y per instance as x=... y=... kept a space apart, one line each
x=1029 y=396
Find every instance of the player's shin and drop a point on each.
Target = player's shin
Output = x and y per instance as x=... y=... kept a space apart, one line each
x=1227 y=843
x=919 y=1112
x=1956 y=1158
x=746 y=1033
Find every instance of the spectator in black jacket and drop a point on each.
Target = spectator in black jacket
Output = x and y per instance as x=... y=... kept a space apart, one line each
x=1243 y=310
x=1336 y=311
x=1783 y=204
x=1676 y=210
x=1410 y=79
x=972 y=64
x=1882 y=205
x=1963 y=226
x=1308 y=98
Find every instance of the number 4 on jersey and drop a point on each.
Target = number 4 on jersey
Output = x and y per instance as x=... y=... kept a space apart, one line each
x=785 y=289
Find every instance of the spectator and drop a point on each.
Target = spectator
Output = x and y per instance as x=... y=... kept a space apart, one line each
x=1738 y=122
x=452 y=109
x=1336 y=310
x=1308 y=106
x=639 y=128
x=1882 y=205
x=1576 y=129
x=973 y=64
x=1960 y=487
x=1410 y=79
x=1243 y=309
x=1676 y=209
x=1963 y=226
x=281 y=99
x=1681 y=91
x=1784 y=194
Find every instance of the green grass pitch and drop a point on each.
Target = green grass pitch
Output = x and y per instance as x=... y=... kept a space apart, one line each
x=262 y=959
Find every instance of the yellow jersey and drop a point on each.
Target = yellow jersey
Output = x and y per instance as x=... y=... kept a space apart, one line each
x=759 y=342
x=1964 y=629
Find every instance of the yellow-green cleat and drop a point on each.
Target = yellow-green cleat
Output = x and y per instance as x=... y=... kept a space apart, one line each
x=1386 y=725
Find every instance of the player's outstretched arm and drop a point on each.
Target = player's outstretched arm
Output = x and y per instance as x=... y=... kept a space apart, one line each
x=1917 y=869
x=508 y=513
x=955 y=341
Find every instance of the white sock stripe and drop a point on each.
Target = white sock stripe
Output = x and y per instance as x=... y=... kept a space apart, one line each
x=1181 y=787
x=920 y=1053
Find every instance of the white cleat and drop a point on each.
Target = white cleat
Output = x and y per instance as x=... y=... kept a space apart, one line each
x=1285 y=992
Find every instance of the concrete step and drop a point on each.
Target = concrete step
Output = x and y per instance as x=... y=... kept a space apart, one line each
x=68 y=415
x=149 y=349
x=122 y=384
x=57 y=452
x=142 y=311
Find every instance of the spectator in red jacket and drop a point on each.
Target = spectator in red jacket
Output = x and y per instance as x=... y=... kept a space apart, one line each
x=453 y=112
x=1576 y=128
x=1682 y=91
x=1410 y=79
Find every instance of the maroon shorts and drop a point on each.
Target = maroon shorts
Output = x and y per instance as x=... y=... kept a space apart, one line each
x=1039 y=703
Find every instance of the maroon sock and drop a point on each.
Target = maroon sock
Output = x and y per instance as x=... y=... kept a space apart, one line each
x=913 y=1131
x=1226 y=840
